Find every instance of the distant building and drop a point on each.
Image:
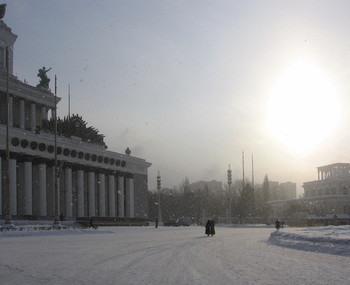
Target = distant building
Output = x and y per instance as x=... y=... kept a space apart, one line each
x=287 y=190
x=91 y=180
x=326 y=200
x=212 y=186
x=280 y=191
x=333 y=180
x=330 y=194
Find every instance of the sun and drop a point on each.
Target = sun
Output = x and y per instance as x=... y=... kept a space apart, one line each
x=303 y=108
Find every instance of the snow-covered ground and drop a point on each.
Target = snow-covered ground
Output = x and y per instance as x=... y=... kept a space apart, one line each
x=177 y=255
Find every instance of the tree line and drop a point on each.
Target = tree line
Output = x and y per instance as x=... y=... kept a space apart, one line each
x=242 y=200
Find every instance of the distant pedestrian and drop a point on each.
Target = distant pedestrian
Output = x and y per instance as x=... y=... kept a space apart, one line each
x=156 y=223
x=282 y=224
x=212 y=227
x=277 y=225
x=207 y=228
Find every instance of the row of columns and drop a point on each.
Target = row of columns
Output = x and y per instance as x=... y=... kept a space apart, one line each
x=117 y=194
x=333 y=171
x=34 y=117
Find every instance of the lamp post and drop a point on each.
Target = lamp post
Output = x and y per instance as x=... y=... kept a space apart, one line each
x=229 y=182
x=159 y=187
x=7 y=210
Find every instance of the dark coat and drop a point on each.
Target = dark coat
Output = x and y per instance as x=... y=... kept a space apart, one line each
x=212 y=227
x=277 y=224
x=207 y=228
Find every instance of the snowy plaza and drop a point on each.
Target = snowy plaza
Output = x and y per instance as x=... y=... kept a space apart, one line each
x=125 y=125
x=177 y=255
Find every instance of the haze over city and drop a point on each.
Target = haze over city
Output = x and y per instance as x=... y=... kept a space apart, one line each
x=189 y=85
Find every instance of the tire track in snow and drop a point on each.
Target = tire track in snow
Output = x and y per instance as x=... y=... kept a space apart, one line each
x=136 y=256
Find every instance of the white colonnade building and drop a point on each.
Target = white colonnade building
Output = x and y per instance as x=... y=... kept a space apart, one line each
x=91 y=181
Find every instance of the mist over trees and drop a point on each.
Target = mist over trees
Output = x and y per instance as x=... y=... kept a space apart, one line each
x=184 y=201
x=247 y=203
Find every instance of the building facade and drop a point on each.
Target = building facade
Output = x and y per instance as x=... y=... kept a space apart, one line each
x=326 y=200
x=212 y=186
x=287 y=190
x=330 y=194
x=91 y=181
x=280 y=191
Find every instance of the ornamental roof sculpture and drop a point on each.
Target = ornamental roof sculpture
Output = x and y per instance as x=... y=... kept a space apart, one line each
x=75 y=126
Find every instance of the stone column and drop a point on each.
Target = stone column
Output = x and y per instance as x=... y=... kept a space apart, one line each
x=28 y=188
x=42 y=189
x=11 y=111
x=80 y=193
x=13 y=186
x=33 y=116
x=68 y=188
x=129 y=197
x=43 y=113
x=111 y=195
x=56 y=192
x=53 y=113
x=121 y=196
x=101 y=195
x=22 y=114
x=1 y=186
x=91 y=190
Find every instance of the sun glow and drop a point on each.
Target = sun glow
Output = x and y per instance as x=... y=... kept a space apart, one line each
x=303 y=108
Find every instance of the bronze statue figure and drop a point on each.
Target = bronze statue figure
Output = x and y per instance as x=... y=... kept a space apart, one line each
x=2 y=10
x=44 y=80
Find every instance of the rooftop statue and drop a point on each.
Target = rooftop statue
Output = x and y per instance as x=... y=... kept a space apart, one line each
x=44 y=80
x=2 y=10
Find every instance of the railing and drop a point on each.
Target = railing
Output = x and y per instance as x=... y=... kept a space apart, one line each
x=111 y=221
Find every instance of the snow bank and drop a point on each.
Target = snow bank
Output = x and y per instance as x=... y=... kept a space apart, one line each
x=330 y=239
x=43 y=228
x=52 y=232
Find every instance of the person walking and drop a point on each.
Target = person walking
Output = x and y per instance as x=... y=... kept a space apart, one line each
x=277 y=225
x=212 y=227
x=207 y=228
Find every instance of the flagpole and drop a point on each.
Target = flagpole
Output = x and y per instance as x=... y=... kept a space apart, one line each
x=68 y=100
x=56 y=190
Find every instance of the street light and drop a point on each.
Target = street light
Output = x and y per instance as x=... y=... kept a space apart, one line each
x=7 y=210
x=159 y=187
x=229 y=182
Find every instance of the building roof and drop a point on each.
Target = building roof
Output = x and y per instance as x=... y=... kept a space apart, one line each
x=334 y=166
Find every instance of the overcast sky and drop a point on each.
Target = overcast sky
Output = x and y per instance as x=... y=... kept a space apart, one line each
x=187 y=85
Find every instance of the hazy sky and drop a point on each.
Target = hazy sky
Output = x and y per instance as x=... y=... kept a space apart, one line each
x=188 y=85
